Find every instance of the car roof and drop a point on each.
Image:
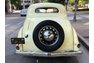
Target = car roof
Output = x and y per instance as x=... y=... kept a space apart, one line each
x=33 y=7
x=56 y=5
x=46 y=5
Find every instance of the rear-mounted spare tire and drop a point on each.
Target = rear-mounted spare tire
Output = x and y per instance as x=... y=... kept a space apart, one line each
x=48 y=35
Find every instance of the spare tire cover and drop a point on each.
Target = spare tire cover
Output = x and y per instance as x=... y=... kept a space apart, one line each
x=48 y=35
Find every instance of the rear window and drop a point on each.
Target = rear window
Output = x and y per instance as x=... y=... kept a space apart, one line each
x=46 y=10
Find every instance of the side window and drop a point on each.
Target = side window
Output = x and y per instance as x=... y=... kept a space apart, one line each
x=46 y=10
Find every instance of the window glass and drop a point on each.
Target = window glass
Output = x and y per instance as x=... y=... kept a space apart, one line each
x=46 y=10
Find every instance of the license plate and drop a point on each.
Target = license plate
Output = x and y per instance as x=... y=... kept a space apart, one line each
x=17 y=41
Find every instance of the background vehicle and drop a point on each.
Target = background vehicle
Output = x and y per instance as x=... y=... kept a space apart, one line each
x=23 y=12
x=47 y=32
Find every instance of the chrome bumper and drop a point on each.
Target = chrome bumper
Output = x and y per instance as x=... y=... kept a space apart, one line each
x=50 y=54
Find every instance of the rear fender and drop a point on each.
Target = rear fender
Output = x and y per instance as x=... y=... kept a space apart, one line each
x=76 y=42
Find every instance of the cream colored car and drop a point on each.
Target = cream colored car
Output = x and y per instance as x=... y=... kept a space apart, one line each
x=47 y=32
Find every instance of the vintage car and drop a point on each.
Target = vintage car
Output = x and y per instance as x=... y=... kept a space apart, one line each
x=47 y=32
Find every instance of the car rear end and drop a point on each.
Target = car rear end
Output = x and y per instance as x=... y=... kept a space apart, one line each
x=47 y=33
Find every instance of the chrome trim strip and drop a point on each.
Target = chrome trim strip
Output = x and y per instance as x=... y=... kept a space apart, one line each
x=50 y=54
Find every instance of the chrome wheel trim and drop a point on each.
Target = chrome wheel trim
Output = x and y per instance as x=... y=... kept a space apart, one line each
x=48 y=35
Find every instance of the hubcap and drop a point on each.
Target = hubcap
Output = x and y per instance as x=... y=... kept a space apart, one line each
x=48 y=35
